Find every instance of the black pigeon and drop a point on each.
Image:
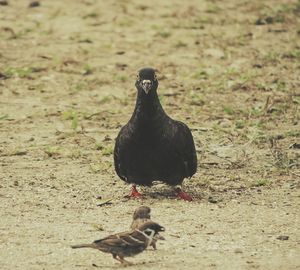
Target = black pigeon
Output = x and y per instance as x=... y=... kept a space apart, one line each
x=126 y=244
x=152 y=146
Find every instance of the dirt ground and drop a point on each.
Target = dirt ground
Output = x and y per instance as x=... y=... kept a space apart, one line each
x=229 y=69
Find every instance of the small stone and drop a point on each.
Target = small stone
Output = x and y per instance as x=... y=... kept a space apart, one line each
x=295 y=146
x=215 y=53
x=34 y=4
x=283 y=237
x=212 y=199
x=238 y=250
x=3 y=3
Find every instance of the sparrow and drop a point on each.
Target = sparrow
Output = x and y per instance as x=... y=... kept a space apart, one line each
x=126 y=244
x=152 y=146
x=140 y=216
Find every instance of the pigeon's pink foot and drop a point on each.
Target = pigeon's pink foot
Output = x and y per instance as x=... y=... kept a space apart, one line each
x=183 y=195
x=134 y=193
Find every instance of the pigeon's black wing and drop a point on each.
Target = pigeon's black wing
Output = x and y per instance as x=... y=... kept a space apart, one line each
x=183 y=144
x=121 y=147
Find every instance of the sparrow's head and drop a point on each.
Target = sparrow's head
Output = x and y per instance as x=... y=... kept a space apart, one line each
x=143 y=212
x=146 y=80
x=151 y=228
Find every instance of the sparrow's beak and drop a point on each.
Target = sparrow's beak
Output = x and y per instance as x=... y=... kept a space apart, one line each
x=146 y=85
x=160 y=237
x=162 y=229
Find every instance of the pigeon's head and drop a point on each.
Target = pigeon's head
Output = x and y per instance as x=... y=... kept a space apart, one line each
x=146 y=80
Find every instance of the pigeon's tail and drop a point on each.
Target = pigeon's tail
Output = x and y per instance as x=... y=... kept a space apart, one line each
x=84 y=246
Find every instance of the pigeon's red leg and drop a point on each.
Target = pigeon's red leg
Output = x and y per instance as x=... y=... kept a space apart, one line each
x=183 y=195
x=134 y=193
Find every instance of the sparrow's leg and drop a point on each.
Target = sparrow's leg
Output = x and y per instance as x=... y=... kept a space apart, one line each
x=123 y=261
x=116 y=258
x=182 y=195
x=134 y=193
x=153 y=244
x=154 y=240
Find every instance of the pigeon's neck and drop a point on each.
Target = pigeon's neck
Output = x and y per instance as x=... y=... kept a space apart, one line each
x=148 y=106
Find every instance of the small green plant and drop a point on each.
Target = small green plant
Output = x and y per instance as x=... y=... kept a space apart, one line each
x=52 y=151
x=280 y=85
x=85 y=40
x=180 y=44
x=99 y=146
x=23 y=72
x=162 y=99
x=73 y=116
x=204 y=20
x=100 y=167
x=272 y=56
x=95 y=168
x=212 y=8
x=92 y=15
x=124 y=101
x=281 y=158
x=121 y=78
x=75 y=154
x=261 y=182
x=3 y=117
x=229 y=110
x=293 y=133
x=87 y=69
x=163 y=34
x=126 y=22
x=200 y=74
x=196 y=99
x=240 y=124
x=78 y=87
x=295 y=54
x=105 y=99
x=256 y=111
x=108 y=150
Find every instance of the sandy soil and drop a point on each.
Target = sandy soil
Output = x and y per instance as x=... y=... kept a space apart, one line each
x=229 y=69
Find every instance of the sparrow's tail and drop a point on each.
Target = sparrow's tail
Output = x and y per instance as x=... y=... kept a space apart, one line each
x=84 y=246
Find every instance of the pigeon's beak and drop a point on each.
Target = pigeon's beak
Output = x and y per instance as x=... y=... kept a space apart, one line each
x=146 y=85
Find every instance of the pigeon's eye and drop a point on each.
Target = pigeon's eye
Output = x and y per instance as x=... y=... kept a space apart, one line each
x=137 y=77
x=155 y=77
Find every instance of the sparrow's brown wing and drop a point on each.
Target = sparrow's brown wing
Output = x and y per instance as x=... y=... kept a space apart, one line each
x=121 y=240
x=111 y=239
x=134 y=239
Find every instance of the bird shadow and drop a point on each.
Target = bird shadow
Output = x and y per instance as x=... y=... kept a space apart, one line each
x=168 y=193
x=118 y=265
